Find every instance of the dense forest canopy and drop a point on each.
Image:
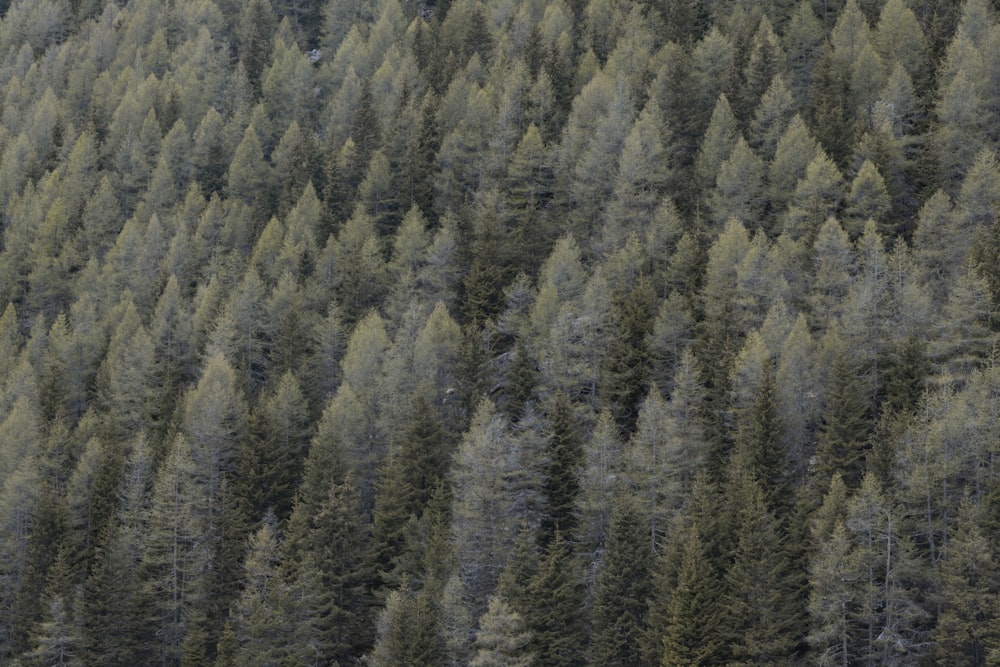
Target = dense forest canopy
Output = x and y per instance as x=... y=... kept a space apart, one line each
x=524 y=333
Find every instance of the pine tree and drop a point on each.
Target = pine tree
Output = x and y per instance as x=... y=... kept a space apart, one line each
x=256 y=26
x=625 y=371
x=261 y=616
x=268 y=463
x=831 y=600
x=56 y=642
x=334 y=576
x=111 y=603
x=759 y=444
x=176 y=559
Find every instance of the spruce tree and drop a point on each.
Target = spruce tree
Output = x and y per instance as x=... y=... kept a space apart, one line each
x=622 y=590
x=695 y=630
x=760 y=596
x=561 y=485
x=846 y=426
x=554 y=610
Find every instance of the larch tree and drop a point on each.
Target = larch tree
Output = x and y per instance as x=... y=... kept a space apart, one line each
x=776 y=109
x=718 y=143
x=817 y=196
x=639 y=184
x=739 y=191
x=486 y=505
x=261 y=616
x=502 y=640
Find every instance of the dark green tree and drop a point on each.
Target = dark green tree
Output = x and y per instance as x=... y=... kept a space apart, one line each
x=561 y=470
x=625 y=380
x=553 y=608
x=622 y=590
x=846 y=426
x=760 y=597
x=695 y=632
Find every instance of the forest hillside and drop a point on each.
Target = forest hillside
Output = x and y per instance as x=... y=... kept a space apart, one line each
x=523 y=333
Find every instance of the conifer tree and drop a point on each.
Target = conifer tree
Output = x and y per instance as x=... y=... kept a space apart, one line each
x=501 y=640
x=720 y=139
x=831 y=601
x=760 y=595
x=967 y=626
x=486 y=504
x=334 y=576
x=256 y=27
x=694 y=632
x=622 y=590
x=625 y=377
x=56 y=642
x=553 y=609
x=261 y=616
x=817 y=196
x=561 y=485
x=759 y=444
x=739 y=188
x=268 y=464
x=845 y=428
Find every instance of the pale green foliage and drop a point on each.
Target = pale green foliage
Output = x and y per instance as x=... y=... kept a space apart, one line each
x=720 y=139
x=817 y=196
x=739 y=188
x=214 y=418
x=487 y=502
x=668 y=449
x=792 y=154
x=868 y=199
x=501 y=640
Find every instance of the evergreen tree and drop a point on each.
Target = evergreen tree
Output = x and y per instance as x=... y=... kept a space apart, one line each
x=56 y=642
x=759 y=444
x=256 y=28
x=831 y=600
x=333 y=575
x=845 y=428
x=561 y=486
x=268 y=464
x=760 y=594
x=625 y=371
x=260 y=617
x=622 y=590
x=553 y=610
x=694 y=632
x=967 y=625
